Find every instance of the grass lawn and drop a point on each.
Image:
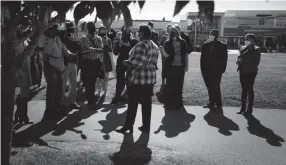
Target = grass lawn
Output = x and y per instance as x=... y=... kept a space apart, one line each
x=270 y=85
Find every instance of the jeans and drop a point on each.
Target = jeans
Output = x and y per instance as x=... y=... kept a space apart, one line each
x=212 y=81
x=54 y=93
x=145 y=98
x=121 y=82
x=70 y=74
x=247 y=82
x=173 y=92
x=90 y=71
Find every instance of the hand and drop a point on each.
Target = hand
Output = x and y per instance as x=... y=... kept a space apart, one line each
x=126 y=63
x=101 y=59
x=186 y=68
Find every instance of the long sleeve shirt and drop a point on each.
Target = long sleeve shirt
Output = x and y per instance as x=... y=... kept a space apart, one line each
x=94 y=50
x=143 y=61
x=54 y=51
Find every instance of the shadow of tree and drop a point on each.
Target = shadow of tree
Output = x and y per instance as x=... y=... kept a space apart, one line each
x=218 y=120
x=133 y=153
x=72 y=121
x=174 y=122
x=112 y=120
x=256 y=128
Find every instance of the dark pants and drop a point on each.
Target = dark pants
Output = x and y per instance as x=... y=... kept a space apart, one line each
x=173 y=93
x=247 y=82
x=212 y=81
x=90 y=71
x=145 y=98
x=54 y=93
x=121 y=81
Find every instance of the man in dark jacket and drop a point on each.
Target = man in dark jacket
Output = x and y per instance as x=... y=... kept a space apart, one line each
x=248 y=62
x=122 y=49
x=213 y=64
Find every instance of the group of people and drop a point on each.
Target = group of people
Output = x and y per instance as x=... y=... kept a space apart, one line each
x=64 y=54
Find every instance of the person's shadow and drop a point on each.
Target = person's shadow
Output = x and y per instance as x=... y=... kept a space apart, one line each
x=216 y=118
x=32 y=135
x=73 y=121
x=112 y=120
x=133 y=153
x=256 y=128
x=175 y=121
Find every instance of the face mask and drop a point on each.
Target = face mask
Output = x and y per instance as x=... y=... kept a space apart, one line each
x=172 y=34
x=211 y=37
x=101 y=34
x=247 y=43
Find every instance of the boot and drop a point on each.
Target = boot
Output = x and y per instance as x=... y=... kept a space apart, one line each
x=249 y=108
x=25 y=119
x=243 y=107
x=18 y=110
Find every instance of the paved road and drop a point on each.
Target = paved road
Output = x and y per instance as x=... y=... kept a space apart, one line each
x=191 y=136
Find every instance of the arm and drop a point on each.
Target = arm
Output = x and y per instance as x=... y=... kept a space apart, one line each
x=258 y=57
x=85 y=46
x=202 y=57
x=116 y=48
x=224 y=58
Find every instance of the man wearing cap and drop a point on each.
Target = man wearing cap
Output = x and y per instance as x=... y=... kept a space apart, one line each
x=54 y=52
x=213 y=65
x=73 y=44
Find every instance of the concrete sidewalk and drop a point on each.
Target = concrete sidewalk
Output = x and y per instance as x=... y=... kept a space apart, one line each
x=191 y=136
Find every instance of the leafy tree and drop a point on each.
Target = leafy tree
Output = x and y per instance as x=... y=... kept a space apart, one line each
x=37 y=14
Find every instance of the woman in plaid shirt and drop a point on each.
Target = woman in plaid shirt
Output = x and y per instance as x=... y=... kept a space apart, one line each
x=141 y=77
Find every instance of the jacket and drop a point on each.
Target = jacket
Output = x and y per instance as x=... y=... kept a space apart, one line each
x=170 y=50
x=250 y=59
x=214 y=57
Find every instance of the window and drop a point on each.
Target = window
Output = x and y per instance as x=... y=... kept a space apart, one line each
x=261 y=22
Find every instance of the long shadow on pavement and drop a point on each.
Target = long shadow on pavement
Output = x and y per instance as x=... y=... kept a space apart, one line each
x=256 y=128
x=133 y=153
x=72 y=121
x=216 y=118
x=175 y=121
x=112 y=120
x=32 y=135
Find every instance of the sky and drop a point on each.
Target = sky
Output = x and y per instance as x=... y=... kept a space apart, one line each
x=157 y=9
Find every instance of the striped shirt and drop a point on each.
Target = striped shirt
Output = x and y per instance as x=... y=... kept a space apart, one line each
x=143 y=61
x=95 y=51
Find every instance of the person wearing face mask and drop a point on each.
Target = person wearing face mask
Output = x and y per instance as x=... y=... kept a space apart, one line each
x=73 y=44
x=176 y=53
x=93 y=45
x=248 y=62
x=54 y=51
x=162 y=42
x=213 y=64
x=122 y=49
x=108 y=63
x=142 y=68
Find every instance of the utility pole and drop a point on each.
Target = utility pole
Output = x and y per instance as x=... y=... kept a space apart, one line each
x=195 y=33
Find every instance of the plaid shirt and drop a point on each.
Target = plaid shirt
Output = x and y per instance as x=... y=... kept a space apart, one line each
x=87 y=45
x=143 y=61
